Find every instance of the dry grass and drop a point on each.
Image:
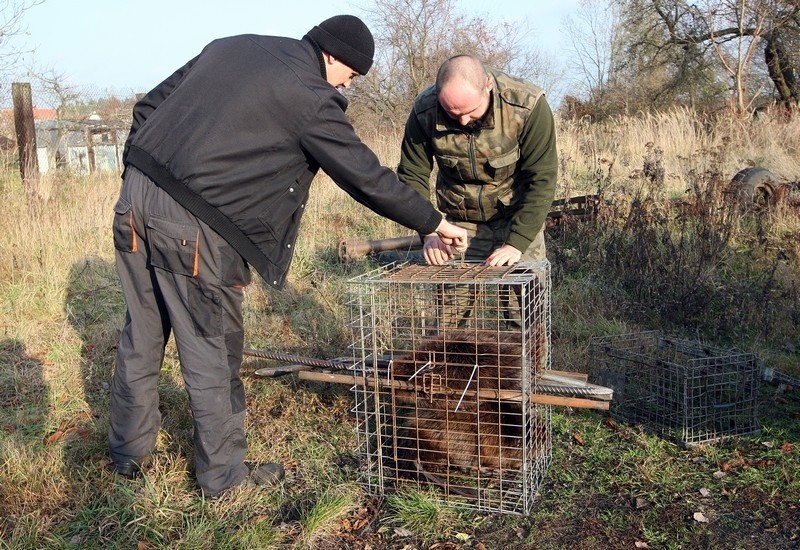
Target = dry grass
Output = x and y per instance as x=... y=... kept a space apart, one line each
x=590 y=152
x=61 y=310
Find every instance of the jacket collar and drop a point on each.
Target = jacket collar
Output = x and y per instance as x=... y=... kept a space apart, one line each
x=322 y=71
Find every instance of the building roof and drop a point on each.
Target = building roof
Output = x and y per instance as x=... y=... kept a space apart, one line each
x=39 y=113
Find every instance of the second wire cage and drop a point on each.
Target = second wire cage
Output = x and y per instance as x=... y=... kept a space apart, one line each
x=447 y=361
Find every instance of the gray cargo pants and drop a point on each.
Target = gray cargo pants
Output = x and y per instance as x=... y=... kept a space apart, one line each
x=484 y=238
x=178 y=277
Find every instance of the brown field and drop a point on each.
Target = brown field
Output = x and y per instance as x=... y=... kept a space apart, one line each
x=667 y=253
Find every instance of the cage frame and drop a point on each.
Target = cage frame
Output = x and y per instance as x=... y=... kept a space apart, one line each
x=700 y=394
x=379 y=422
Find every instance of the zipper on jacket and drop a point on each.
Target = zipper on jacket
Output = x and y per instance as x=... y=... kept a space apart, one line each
x=472 y=165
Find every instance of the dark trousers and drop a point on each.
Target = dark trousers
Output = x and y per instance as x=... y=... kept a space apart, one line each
x=179 y=277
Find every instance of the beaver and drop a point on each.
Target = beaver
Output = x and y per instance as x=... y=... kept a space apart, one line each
x=454 y=419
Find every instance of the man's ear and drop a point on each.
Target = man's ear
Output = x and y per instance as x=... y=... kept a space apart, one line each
x=329 y=59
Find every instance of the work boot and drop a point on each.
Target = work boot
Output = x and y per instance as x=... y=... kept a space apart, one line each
x=130 y=469
x=266 y=475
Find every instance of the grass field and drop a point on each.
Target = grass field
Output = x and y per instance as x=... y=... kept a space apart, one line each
x=670 y=251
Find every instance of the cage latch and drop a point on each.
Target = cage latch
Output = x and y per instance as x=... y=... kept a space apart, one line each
x=431 y=384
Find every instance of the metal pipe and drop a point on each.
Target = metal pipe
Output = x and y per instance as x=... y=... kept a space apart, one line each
x=354 y=248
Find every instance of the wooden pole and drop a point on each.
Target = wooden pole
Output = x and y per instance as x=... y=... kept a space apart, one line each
x=508 y=395
x=26 y=131
x=90 y=150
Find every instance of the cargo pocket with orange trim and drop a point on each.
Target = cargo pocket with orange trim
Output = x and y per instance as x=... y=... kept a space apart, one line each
x=174 y=246
x=125 y=239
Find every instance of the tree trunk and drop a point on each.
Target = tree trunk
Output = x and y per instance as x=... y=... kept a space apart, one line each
x=782 y=71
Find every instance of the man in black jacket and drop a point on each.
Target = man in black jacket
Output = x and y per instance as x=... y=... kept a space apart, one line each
x=218 y=166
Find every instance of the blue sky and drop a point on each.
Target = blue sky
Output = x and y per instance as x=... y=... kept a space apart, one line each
x=131 y=45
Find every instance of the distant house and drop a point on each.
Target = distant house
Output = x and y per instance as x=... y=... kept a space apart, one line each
x=8 y=142
x=8 y=152
x=85 y=146
x=39 y=113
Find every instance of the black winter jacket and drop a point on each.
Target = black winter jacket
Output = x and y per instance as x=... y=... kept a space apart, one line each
x=237 y=135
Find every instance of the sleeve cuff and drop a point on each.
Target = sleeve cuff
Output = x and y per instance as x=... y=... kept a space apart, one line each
x=519 y=242
x=431 y=224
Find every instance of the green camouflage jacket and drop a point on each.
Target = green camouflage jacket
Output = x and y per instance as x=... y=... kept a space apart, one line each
x=506 y=168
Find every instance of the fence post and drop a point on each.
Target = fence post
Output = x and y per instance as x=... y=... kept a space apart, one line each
x=26 y=131
x=89 y=136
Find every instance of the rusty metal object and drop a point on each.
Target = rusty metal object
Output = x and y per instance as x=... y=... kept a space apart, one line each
x=355 y=248
x=756 y=187
x=273 y=372
x=561 y=383
x=590 y=402
x=295 y=359
x=299 y=363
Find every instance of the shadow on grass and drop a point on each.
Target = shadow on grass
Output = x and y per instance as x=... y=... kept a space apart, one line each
x=24 y=410
x=95 y=308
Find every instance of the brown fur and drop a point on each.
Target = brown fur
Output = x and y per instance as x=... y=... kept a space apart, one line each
x=483 y=433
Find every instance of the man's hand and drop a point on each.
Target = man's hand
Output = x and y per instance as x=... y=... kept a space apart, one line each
x=505 y=255
x=452 y=235
x=435 y=251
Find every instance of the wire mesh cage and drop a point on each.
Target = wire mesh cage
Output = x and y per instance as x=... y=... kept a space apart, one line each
x=682 y=390
x=446 y=359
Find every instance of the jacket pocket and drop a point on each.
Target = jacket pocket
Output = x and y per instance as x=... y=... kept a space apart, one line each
x=280 y=225
x=125 y=239
x=454 y=168
x=174 y=246
x=503 y=166
x=451 y=200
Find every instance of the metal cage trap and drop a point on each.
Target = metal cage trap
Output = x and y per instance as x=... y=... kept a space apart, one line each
x=451 y=357
x=451 y=377
x=684 y=391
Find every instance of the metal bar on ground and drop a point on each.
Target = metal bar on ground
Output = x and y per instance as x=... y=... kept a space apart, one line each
x=505 y=395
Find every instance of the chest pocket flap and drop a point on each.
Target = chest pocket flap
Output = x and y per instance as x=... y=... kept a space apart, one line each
x=502 y=166
x=446 y=161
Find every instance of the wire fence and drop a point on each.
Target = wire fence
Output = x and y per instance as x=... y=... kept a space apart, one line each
x=77 y=129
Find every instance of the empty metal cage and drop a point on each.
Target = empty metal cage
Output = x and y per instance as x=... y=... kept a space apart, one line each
x=446 y=360
x=685 y=391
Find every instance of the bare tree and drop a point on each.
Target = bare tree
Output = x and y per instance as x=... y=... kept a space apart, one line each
x=60 y=95
x=651 y=54
x=413 y=37
x=591 y=35
x=782 y=51
x=12 y=13
x=733 y=30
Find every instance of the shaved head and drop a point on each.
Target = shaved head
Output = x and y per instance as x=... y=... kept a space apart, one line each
x=463 y=88
x=463 y=70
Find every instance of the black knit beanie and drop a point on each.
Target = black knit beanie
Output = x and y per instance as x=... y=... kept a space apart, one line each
x=347 y=39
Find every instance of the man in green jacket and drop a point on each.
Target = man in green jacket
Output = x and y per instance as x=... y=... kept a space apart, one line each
x=493 y=138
